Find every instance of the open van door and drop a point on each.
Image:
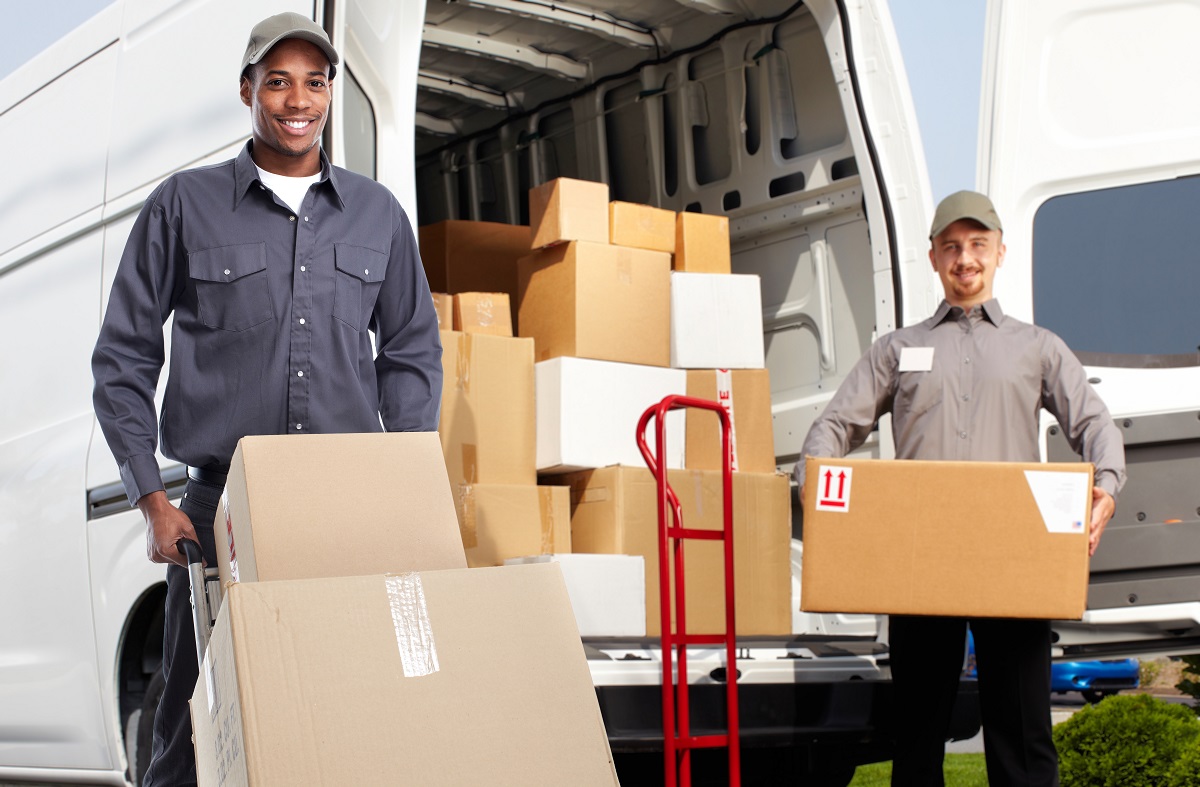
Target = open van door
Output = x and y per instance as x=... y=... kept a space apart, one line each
x=1089 y=152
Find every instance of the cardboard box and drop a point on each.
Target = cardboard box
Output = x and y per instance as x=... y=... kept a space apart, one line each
x=597 y=301
x=702 y=243
x=566 y=209
x=746 y=395
x=716 y=321
x=502 y=521
x=443 y=304
x=608 y=592
x=483 y=312
x=435 y=678
x=474 y=256
x=641 y=226
x=987 y=539
x=588 y=413
x=614 y=511
x=321 y=505
x=487 y=420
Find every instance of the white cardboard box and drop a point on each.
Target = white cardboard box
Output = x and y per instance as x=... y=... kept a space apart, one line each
x=716 y=321
x=608 y=592
x=588 y=412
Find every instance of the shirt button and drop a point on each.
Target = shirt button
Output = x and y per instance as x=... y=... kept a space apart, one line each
x=301 y=320
x=963 y=435
x=966 y=397
x=226 y=271
x=966 y=360
x=299 y=427
x=366 y=272
x=306 y=218
x=299 y=374
x=303 y=269
x=291 y=218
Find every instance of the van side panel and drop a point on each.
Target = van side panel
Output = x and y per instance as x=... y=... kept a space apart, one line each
x=58 y=140
x=50 y=708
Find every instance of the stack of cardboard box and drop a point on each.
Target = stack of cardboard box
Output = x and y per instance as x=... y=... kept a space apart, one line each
x=354 y=647
x=615 y=330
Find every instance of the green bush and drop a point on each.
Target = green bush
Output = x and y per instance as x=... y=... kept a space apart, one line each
x=1125 y=741
x=1186 y=770
x=1190 y=687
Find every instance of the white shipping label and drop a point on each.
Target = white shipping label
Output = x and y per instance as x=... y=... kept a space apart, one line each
x=916 y=359
x=1061 y=499
x=832 y=488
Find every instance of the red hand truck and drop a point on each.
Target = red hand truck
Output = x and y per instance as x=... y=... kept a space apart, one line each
x=678 y=741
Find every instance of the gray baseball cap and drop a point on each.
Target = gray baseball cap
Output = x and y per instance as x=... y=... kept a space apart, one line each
x=274 y=29
x=964 y=205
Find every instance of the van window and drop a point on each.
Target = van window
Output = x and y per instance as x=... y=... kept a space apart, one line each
x=359 y=128
x=1115 y=271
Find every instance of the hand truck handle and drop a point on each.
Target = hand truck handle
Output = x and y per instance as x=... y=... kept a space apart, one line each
x=196 y=579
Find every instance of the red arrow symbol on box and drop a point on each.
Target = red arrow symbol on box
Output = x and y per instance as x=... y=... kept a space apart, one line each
x=828 y=481
x=841 y=483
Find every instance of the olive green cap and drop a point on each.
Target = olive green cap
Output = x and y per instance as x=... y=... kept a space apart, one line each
x=274 y=29
x=964 y=205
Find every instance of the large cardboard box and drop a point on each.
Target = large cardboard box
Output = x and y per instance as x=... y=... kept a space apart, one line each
x=702 y=243
x=434 y=678
x=483 y=312
x=641 y=226
x=588 y=413
x=746 y=396
x=716 y=321
x=597 y=301
x=987 y=539
x=566 y=209
x=322 y=505
x=487 y=421
x=474 y=256
x=614 y=511
x=608 y=592
x=503 y=521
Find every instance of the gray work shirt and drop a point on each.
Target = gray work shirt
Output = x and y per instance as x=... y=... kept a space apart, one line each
x=272 y=312
x=977 y=398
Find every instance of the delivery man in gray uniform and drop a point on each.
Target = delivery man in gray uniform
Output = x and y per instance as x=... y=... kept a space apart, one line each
x=275 y=265
x=968 y=384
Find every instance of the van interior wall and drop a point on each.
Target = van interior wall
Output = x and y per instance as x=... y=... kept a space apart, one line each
x=752 y=126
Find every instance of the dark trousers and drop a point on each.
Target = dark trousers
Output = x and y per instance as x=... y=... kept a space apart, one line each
x=1013 y=659
x=172 y=758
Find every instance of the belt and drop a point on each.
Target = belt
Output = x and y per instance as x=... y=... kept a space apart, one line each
x=208 y=475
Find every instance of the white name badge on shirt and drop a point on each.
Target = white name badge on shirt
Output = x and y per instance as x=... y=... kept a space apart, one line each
x=916 y=359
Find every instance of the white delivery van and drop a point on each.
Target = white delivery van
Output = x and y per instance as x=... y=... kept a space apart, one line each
x=792 y=118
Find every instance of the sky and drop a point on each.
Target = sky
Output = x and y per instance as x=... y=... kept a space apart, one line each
x=941 y=42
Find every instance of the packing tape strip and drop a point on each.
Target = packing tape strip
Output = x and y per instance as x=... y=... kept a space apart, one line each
x=467 y=524
x=462 y=371
x=546 y=506
x=414 y=633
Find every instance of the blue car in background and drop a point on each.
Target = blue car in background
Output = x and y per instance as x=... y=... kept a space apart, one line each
x=1095 y=680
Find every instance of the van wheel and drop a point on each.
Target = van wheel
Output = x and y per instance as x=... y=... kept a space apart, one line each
x=139 y=729
x=1092 y=696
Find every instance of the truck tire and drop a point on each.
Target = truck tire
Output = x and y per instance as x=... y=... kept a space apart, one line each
x=139 y=729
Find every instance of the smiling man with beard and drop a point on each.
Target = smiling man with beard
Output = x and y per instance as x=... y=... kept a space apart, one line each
x=967 y=385
x=277 y=267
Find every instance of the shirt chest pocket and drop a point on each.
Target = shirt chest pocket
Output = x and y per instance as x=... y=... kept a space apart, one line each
x=919 y=392
x=358 y=277
x=231 y=286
